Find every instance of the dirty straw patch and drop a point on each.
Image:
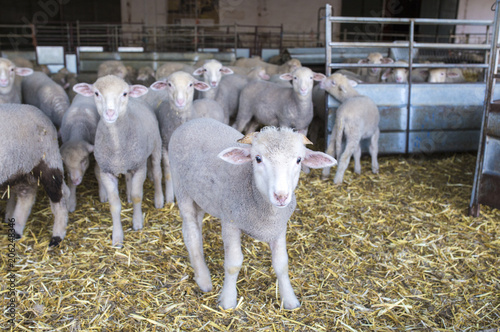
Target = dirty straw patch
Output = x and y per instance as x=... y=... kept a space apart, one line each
x=388 y=252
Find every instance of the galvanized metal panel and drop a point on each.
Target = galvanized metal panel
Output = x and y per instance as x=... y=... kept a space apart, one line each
x=491 y=159
x=443 y=141
x=447 y=94
x=446 y=117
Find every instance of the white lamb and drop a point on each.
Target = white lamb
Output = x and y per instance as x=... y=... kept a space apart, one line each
x=212 y=72
x=249 y=187
x=179 y=108
x=10 y=85
x=357 y=118
x=127 y=135
x=272 y=104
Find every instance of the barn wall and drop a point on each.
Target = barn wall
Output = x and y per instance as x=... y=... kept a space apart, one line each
x=474 y=10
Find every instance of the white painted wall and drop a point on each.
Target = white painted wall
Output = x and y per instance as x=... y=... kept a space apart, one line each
x=474 y=10
x=298 y=16
x=148 y=12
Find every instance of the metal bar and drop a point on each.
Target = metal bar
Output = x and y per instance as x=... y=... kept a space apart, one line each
x=454 y=46
x=410 y=65
x=416 y=45
x=414 y=65
x=328 y=37
x=343 y=19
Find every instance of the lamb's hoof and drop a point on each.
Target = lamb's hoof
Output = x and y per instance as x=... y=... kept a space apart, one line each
x=291 y=304
x=54 y=242
x=118 y=245
x=375 y=171
x=17 y=236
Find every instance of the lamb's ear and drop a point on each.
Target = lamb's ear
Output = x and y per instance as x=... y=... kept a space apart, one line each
x=158 y=85
x=199 y=71
x=23 y=71
x=315 y=159
x=236 y=155
x=84 y=89
x=201 y=86
x=137 y=90
x=226 y=71
x=318 y=77
x=286 y=77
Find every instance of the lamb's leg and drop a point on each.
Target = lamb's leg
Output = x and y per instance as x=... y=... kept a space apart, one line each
x=60 y=212
x=357 y=159
x=169 y=186
x=374 y=151
x=280 y=265
x=24 y=202
x=103 y=196
x=233 y=258
x=192 y=234
x=154 y=167
x=72 y=195
x=128 y=186
x=350 y=147
x=242 y=119
x=136 y=192
x=110 y=183
x=331 y=151
x=11 y=205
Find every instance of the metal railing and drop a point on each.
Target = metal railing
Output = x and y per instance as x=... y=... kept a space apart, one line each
x=409 y=48
x=161 y=38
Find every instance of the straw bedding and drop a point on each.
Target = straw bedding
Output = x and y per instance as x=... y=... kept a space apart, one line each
x=389 y=252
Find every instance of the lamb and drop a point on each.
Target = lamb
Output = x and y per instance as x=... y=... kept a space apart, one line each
x=446 y=75
x=10 y=86
x=249 y=187
x=112 y=67
x=168 y=68
x=29 y=154
x=271 y=69
x=126 y=136
x=180 y=108
x=145 y=76
x=276 y=105
x=212 y=71
x=41 y=91
x=357 y=118
x=373 y=74
x=396 y=75
x=77 y=132
x=230 y=87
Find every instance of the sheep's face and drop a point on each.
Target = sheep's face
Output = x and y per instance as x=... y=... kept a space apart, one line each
x=303 y=80
x=111 y=95
x=400 y=75
x=180 y=87
x=75 y=156
x=277 y=156
x=375 y=59
x=338 y=86
x=212 y=72
x=8 y=73
x=437 y=75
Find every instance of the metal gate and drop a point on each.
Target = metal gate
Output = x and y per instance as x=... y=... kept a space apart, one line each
x=486 y=187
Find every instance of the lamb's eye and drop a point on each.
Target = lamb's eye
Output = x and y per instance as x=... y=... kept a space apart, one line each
x=258 y=159
x=124 y=94
x=169 y=84
x=299 y=160
x=190 y=84
x=96 y=94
